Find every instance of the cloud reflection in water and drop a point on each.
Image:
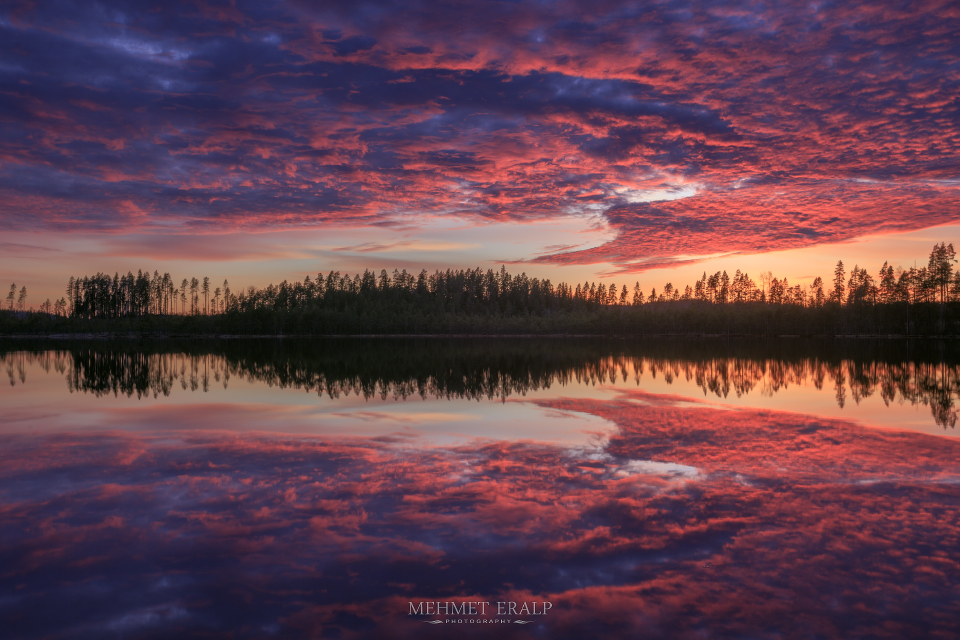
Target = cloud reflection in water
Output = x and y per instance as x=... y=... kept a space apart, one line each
x=688 y=522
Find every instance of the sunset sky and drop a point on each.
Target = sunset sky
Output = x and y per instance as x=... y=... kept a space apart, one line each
x=627 y=142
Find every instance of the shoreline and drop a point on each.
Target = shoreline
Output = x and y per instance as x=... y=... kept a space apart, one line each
x=195 y=336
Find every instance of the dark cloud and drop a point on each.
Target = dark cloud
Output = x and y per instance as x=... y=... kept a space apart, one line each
x=353 y=44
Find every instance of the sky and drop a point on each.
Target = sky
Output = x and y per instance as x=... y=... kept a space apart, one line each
x=613 y=141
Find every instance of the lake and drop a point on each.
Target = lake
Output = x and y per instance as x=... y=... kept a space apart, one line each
x=548 y=488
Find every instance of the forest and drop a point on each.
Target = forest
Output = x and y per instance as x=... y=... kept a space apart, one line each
x=898 y=301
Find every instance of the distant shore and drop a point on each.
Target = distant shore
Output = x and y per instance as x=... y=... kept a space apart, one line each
x=196 y=336
x=683 y=318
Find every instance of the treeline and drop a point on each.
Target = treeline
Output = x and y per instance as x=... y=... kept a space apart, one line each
x=901 y=301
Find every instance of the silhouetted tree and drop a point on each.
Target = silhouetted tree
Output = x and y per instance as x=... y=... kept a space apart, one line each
x=195 y=295
x=442 y=300
x=776 y=291
x=839 y=275
x=817 y=293
x=940 y=267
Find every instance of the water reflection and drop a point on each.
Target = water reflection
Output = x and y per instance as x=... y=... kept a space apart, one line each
x=689 y=519
x=917 y=373
x=689 y=522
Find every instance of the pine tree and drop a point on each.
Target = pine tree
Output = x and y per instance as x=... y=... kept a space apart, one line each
x=887 y=284
x=818 y=297
x=71 y=283
x=194 y=295
x=839 y=275
x=776 y=291
x=940 y=267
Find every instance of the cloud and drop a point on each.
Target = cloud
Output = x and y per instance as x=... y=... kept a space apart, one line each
x=17 y=248
x=773 y=126
x=201 y=247
x=407 y=246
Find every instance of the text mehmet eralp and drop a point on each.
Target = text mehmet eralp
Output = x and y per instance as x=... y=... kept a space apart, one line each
x=479 y=608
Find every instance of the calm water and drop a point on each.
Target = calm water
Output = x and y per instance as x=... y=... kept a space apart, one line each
x=685 y=489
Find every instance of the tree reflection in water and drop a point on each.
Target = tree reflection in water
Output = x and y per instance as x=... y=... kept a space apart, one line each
x=914 y=372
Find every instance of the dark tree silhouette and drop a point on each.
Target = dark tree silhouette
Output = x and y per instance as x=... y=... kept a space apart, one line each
x=494 y=301
x=838 y=287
